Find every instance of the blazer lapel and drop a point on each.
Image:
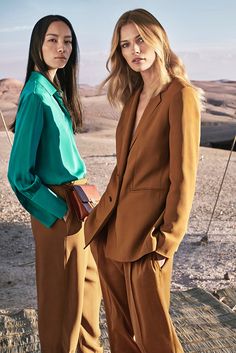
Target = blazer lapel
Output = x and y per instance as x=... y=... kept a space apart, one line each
x=126 y=141
x=151 y=106
x=125 y=133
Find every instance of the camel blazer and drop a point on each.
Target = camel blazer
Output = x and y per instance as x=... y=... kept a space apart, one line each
x=151 y=189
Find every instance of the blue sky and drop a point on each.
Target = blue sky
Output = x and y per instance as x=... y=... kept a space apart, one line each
x=203 y=33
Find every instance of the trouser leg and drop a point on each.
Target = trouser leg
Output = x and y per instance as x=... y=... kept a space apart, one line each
x=50 y=280
x=115 y=300
x=83 y=299
x=90 y=333
x=61 y=269
x=137 y=297
x=148 y=288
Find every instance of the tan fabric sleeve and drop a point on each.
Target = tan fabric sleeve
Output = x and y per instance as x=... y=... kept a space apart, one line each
x=184 y=136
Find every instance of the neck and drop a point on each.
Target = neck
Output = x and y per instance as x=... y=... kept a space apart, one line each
x=51 y=73
x=154 y=80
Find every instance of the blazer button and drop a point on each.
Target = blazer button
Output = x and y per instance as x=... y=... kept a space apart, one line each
x=110 y=198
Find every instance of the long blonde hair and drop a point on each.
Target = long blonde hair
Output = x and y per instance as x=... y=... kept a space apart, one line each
x=122 y=81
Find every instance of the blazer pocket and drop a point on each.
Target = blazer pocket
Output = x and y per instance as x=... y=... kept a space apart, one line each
x=137 y=189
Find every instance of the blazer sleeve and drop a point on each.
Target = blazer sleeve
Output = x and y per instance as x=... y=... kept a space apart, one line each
x=31 y=192
x=184 y=136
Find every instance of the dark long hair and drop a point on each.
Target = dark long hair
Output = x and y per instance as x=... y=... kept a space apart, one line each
x=65 y=78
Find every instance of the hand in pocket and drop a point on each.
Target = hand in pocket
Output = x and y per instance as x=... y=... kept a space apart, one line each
x=161 y=259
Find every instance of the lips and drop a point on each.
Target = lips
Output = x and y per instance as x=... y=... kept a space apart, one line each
x=61 y=57
x=137 y=60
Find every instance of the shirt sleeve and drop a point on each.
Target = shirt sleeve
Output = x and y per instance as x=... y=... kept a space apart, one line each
x=21 y=172
x=184 y=136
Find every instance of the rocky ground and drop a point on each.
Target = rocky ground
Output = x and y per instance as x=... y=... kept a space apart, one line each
x=210 y=266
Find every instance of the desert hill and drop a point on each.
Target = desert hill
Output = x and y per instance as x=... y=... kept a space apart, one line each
x=218 y=119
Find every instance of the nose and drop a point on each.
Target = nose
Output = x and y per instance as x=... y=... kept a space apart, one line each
x=136 y=49
x=61 y=48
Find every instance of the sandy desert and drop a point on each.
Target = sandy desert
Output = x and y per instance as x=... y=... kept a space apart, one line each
x=208 y=265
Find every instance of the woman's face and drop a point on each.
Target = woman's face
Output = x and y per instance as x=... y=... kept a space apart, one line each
x=138 y=55
x=57 y=45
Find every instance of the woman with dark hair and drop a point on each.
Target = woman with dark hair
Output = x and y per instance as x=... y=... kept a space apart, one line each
x=44 y=163
x=142 y=217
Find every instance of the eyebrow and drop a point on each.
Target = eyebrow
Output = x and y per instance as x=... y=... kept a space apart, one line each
x=126 y=40
x=56 y=35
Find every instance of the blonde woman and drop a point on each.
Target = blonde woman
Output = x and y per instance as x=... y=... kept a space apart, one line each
x=142 y=216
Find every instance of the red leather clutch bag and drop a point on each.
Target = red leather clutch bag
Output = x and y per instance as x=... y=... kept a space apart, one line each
x=83 y=199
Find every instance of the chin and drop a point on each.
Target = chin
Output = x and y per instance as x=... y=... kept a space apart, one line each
x=140 y=69
x=61 y=66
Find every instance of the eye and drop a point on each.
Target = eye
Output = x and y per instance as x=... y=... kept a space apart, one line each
x=68 y=41
x=124 y=45
x=140 y=40
x=53 y=40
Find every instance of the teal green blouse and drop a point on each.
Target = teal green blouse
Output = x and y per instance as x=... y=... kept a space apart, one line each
x=44 y=150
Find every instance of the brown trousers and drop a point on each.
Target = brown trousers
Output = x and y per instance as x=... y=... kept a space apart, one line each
x=68 y=287
x=136 y=297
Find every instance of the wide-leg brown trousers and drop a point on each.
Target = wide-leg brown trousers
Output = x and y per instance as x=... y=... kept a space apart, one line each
x=137 y=297
x=68 y=288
